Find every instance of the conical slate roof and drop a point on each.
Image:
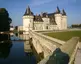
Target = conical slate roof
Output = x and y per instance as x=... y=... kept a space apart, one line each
x=63 y=12
x=52 y=19
x=57 y=10
x=28 y=11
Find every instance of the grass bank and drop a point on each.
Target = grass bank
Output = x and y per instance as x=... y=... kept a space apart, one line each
x=64 y=35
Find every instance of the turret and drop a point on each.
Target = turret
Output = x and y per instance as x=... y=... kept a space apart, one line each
x=46 y=21
x=64 y=19
x=63 y=12
x=57 y=10
x=28 y=20
x=58 y=17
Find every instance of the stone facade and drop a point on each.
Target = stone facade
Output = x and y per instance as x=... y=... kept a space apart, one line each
x=44 y=21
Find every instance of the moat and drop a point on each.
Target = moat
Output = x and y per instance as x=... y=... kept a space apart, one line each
x=13 y=52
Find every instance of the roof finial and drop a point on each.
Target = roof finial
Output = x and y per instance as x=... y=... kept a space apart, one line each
x=63 y=12
x=28 y=9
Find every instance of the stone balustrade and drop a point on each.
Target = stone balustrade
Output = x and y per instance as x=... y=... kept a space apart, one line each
x=69 y=49
x=47 y=45
x=43 y=43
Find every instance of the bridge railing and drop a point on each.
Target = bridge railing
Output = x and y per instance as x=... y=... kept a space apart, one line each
x=69 y=48
x=43 y=43
x=48 y=45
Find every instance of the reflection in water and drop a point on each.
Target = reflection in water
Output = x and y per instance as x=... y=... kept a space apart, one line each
x=5 y=45
x=16 y=34
x=16 y=54
x=5 y=49
x=23 y=36
x=11 y=34
x=27 y=46
x=4 y=37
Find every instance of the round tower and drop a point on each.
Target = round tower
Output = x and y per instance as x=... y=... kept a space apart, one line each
x=58 y=18
x=27 y=21
x=46 y=21
x=64 y=20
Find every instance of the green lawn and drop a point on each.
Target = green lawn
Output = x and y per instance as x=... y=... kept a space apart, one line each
x=65 y=35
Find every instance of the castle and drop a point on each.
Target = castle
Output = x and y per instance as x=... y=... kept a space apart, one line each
x=44 y=21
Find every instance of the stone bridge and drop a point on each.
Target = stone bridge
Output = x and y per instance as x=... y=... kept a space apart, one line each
x=45 y=46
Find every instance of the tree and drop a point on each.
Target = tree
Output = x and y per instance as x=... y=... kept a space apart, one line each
x=80 y=25
x=76 y=26
x=5 y=20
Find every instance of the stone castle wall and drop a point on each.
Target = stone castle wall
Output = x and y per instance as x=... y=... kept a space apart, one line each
x=29 y=23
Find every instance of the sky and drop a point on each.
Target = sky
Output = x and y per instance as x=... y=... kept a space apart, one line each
x=16 y=9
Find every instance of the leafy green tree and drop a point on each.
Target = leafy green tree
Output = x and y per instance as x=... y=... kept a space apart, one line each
x=5 y=20
x=80 y=25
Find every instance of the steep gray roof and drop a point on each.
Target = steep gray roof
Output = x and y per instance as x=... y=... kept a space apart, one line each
x=52 y=19
x=57 y=10
x=63 y=12
x=38 y=18
x=28 y=11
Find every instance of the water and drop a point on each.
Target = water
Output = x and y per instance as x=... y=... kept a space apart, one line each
x=14 y=53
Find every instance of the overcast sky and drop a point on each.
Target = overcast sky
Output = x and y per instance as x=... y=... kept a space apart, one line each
x=16 y=8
